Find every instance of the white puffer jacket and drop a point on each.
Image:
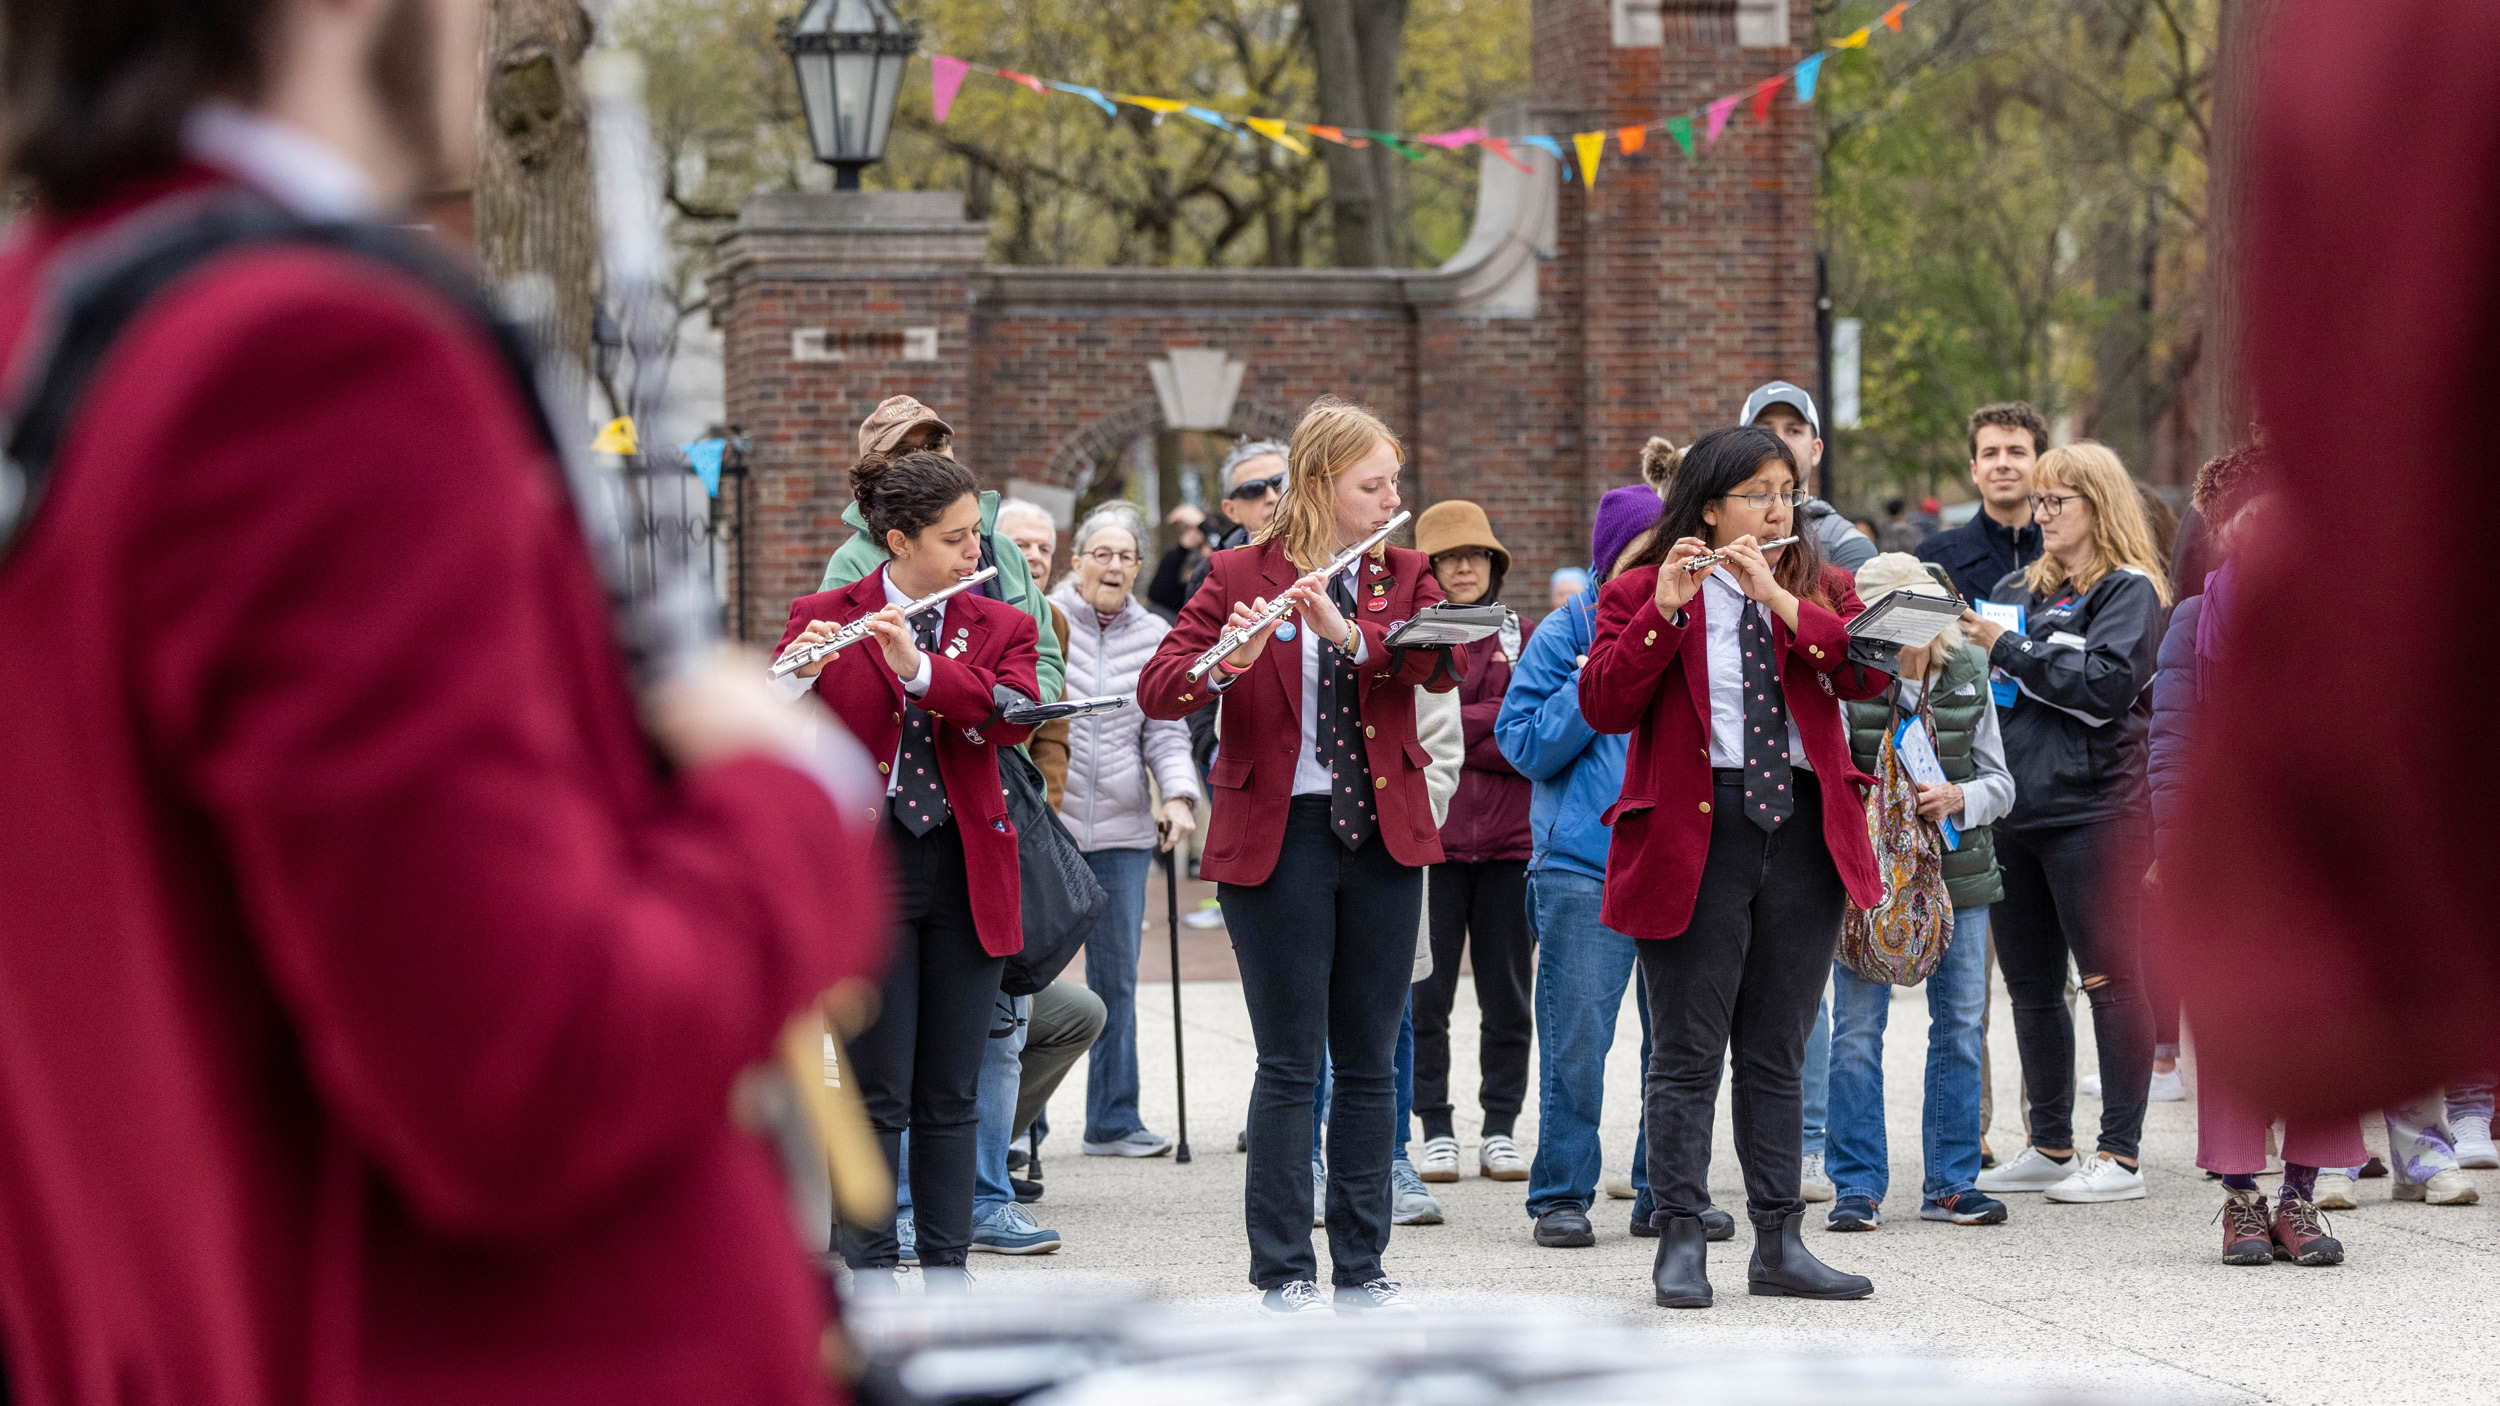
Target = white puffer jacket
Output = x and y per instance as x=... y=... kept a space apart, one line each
x=1107 y=804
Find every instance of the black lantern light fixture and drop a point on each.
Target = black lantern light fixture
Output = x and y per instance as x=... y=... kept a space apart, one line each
x=849 y=56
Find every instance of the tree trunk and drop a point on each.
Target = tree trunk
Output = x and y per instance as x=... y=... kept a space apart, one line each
x=2227 y=404
x=1355 y=47
x=537 y=231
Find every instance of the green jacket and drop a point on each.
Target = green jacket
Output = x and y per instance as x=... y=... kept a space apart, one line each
x=1970 y=872
x=863 y=554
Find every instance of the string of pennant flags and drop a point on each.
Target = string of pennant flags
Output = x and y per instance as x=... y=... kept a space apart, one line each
x=1691 y=131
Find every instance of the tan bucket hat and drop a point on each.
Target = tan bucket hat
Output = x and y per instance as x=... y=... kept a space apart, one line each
x=894 y=417
x=1447 y=526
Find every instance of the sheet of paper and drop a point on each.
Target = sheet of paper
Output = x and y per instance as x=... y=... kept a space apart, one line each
x=1919 y=760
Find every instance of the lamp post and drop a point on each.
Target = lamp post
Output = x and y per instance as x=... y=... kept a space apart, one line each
x=849 y=56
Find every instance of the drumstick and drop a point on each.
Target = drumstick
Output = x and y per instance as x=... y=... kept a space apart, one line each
x=863 y=1186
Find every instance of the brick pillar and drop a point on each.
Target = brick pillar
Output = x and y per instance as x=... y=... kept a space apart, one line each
x=829 y=304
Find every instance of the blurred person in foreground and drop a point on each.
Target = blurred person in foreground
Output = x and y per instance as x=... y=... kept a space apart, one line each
x=377 y=965
x=2311 y=835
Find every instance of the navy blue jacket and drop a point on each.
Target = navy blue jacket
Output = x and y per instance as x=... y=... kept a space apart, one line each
x=1980 y=553
x=1575 y=771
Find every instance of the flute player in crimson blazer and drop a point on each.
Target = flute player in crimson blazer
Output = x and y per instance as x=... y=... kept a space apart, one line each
x=1739 y=834
x=1320 y=832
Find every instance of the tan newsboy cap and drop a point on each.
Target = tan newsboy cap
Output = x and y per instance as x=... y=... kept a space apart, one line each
x=894 y=417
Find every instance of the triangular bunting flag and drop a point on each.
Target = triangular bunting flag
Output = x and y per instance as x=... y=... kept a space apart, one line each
x=616 y=437
x=1452 y=141
x=1762 y=95
x=1806 y=74
x=1546 y=143
x=1591 y=146
x=1719 y=112
x=1093 y=94
x=1631 y=139
x=1337 y=135
x=1854 y=41
x=1209 y=116
x=945 y=76
x=1274 y=131
x=1681 y=129
x=1390 y=140
x=1160 y=107
x=1026 y=79
x=1501 y=149
x=1892 y=17
x=704 y=457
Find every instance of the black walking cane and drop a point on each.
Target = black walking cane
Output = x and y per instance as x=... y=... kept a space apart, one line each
x=1180 y=1067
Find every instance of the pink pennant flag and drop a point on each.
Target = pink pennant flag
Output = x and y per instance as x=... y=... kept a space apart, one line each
x=1719 y=112
x=1452 y=141
x=945 y=76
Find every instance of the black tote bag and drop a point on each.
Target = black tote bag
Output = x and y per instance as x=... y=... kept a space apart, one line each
x=1061 y=896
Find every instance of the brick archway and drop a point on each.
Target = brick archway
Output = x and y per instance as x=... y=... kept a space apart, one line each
x=1076 y=456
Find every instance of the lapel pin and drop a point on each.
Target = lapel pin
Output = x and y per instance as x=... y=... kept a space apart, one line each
x=1286 y=632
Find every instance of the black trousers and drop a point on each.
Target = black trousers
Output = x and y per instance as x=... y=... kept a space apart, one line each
x=1325 y=947
x=1740 y=987
x=2076 y=888
x=1486 y=905
x=919 y=1066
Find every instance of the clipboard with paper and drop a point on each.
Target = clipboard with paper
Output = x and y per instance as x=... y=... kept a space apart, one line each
x=1917 y=755
x=1435 y=626
x=1905 y=619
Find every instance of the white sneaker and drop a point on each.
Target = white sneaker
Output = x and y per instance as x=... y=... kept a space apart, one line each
x=2032 y=1171
x=1619 y=1186
x=2170 y=1088
x=2100 y=1178
x=1440 y=1160
x=1137 y=1144
x=2334 y=1193
x=1811 y=1183
x=2446 y=1187
x=2474 y=1145
x=1498 y=1159
x=2089 y=1086
x=1207 y=915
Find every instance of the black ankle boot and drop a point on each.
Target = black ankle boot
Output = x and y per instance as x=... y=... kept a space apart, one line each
x=1783 y=1266
x=1681 y=1277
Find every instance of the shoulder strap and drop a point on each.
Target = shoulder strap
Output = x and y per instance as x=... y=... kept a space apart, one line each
x=97 y=289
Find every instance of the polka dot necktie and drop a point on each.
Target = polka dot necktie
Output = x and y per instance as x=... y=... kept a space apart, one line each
x=919 y=799
x=1768 y=798
x=1340 y=735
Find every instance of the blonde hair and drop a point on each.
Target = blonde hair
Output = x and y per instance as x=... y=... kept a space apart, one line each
x=2120 y=535
x=1333 y=434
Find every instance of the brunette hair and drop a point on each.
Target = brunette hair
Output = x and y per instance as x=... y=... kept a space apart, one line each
x=2226 y=483
x=907 y=492
x=2012 y=415
x=1714 y=466
x=93 y=94
x=1333 y=434
x=2120 y=536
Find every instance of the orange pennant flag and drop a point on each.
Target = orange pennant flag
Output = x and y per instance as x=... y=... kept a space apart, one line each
x=1892 y=17
x=1337 y=135
x=1026 y=79
x=1632 y=138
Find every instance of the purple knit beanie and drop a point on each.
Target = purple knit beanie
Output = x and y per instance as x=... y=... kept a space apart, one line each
x=1623 y=514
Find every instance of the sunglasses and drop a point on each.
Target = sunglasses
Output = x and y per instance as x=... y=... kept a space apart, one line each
x=1257 y=488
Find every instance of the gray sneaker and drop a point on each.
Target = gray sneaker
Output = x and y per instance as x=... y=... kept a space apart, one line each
x=1137 y=1144
x=1411 y=1204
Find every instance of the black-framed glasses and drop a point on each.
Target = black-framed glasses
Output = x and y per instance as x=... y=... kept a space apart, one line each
x=1257 y=488
x=1763 y=502
x=1479 y=555
x=2051 y=504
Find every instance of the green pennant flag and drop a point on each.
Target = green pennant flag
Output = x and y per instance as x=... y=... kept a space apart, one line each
x=1682 y=130
x=1390 y=140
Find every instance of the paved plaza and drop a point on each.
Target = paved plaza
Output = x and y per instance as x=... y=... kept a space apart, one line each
x=2130 y=1300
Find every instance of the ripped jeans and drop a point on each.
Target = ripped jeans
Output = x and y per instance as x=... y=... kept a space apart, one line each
x=2074 y=889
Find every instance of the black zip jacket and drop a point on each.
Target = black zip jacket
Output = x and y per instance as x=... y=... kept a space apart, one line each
x=2075 y=737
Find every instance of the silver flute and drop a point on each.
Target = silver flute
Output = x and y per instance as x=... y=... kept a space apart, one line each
x=799 y=656
x=1708 y=560
x=1282 y=606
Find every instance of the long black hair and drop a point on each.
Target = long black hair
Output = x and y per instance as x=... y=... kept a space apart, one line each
x=1714 y=466
x=907 y=492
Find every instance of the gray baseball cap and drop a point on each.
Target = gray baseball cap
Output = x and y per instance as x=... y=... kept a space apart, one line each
x=1781 y=393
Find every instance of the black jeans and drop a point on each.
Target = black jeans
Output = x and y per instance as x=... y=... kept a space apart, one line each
x=919 y=1066
x=1484 y=905
x=1745 y=977
x=1325 y=947
x=2076 y=888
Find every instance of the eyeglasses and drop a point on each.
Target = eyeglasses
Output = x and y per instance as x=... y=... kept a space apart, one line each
x=2051 y=504
x=1104 y=556
x=1257 y=488
x=1472 y=556
x=1762 y=502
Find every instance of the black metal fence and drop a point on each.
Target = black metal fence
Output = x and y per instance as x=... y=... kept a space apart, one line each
x=672 y=523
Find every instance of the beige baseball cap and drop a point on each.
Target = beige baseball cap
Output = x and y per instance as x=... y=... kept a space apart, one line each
x=894 y=417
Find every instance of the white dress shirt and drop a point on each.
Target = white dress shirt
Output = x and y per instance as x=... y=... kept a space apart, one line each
x=1721 y=614
x=308 y=176
x=1310 y=775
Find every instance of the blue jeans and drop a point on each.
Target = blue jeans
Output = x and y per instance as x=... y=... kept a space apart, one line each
x=1002 y=1073
x=1581 y=969
x=1949 y=1120
x=1111 y=970
x=1814 y=1081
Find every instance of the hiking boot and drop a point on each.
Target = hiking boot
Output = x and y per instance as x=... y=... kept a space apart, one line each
x=2300 y=1235
x=2247 y=1228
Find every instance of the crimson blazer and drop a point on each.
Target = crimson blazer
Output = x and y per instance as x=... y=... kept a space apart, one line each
x=1000 y=646
x=1261 y=725
x=1650 y=677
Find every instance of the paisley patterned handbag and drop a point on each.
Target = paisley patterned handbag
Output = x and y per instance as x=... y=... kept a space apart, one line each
x=1900 y=940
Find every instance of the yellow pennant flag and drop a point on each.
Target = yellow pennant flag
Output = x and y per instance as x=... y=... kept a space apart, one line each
x=1854 y=41
x=1274 y=131
x=1591 y=145
x=1160 y=107
x=616 y=438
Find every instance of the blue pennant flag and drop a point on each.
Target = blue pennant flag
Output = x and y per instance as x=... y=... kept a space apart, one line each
x=704 y=457
x=1083 y=92
x=1209 y=116
x=1549 y=144
x=1806 y=73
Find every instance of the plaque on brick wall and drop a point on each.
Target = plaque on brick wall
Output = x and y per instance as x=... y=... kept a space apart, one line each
x=1760 y=24
x=874 y=344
